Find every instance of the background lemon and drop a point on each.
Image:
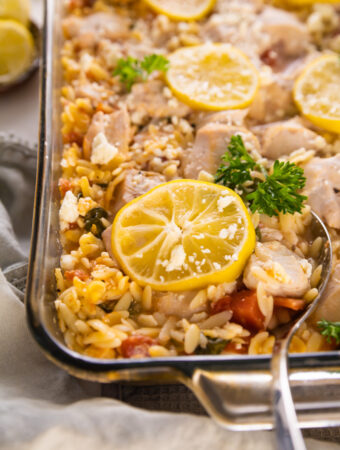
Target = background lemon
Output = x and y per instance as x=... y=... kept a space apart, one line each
x=16 y=49
x=212 y=77
x=317 y=92
x=183 y=235
x=182 y=10
x=16 y=10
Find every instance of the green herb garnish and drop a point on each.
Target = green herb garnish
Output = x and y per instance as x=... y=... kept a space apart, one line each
x=135 y=308
x=93 y=221
x=130 y=70
x=331 y=330
x=215 y=346
x=278 y=192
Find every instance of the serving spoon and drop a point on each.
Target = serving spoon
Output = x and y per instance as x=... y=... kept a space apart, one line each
x=288 y=433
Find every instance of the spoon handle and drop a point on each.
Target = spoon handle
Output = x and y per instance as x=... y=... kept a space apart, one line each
x=288 y=433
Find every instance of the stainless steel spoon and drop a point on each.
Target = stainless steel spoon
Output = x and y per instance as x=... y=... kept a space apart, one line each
x=288 y=433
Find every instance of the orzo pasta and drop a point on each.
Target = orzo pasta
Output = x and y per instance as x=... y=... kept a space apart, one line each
x=181 y=140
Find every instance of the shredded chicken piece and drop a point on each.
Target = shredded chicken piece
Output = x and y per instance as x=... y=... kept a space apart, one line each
x=282 y=138
x=116 y=128
x=210 y=144
x=323 y=188
x=329 y=308
x=154 y=99
x=281 y=271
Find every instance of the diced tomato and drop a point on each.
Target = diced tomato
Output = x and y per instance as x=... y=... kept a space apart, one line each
x=244 y=307
x=269 y=57
x=223 y=304
x=137 y=346
x=64 y=186
x=73 y=137
x=73 y=226
x=290 y=303
x=81 y=274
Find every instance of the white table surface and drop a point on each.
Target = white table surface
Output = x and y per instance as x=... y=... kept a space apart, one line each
x=19 y=108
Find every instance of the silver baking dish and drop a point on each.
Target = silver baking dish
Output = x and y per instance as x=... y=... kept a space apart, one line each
x=235 y=390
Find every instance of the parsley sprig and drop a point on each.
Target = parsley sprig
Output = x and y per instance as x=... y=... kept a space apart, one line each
x=277 y=192
x=131 y=70
x=331 y=330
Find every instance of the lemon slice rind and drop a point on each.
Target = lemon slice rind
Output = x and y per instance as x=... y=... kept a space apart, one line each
x=177 y=10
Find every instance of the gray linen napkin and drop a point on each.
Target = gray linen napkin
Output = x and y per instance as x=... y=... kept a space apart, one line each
x=41 y=406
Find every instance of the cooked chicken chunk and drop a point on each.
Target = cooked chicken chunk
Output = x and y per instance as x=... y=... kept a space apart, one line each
x=235 y=23
x=176 y=304
x=154 y=99
x=285 y=29
x=136 y=183
x=210 y=144
x=282 y=271
x=329 y=308
x=282 y=138
x=116 y=128
x=323 y=188
x=274 y=99
x=228 y=117
x=93 y=91
x=89 y=30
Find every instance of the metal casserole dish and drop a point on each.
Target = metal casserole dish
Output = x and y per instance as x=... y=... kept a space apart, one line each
x=235 y=390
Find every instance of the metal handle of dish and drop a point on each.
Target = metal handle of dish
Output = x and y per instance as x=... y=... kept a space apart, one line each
x=288 y=434
x=242 y=401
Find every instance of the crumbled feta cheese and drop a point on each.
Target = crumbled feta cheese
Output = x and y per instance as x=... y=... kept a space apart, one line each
x=177 y=258
x=228 y=233
x=68 y=211
x=86 y=61
x=217 y=266
x=102 y=151
x=223 y=202
x=67 y=262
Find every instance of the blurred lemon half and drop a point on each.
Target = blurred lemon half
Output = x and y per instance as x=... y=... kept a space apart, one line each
x=16 y=50
x=182 y=10
x=212 y=77
x=317 y=92
x=182 y=235
x=16 y=10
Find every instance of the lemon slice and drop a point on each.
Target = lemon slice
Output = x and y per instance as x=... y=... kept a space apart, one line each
x=16 y=49
x=183 y=235
x=310 y=2
x=212 y=77
x=182 y=10
x=317 y=92
x=15 y=9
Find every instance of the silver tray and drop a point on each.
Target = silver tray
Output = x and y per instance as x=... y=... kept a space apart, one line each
x=235 y=390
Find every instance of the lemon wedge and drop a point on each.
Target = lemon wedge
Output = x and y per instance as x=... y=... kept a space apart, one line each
x=182 y=10
x=182 y=235
x=317 y=92
x=15 y=9
x=212 y=77
x=16 y=49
